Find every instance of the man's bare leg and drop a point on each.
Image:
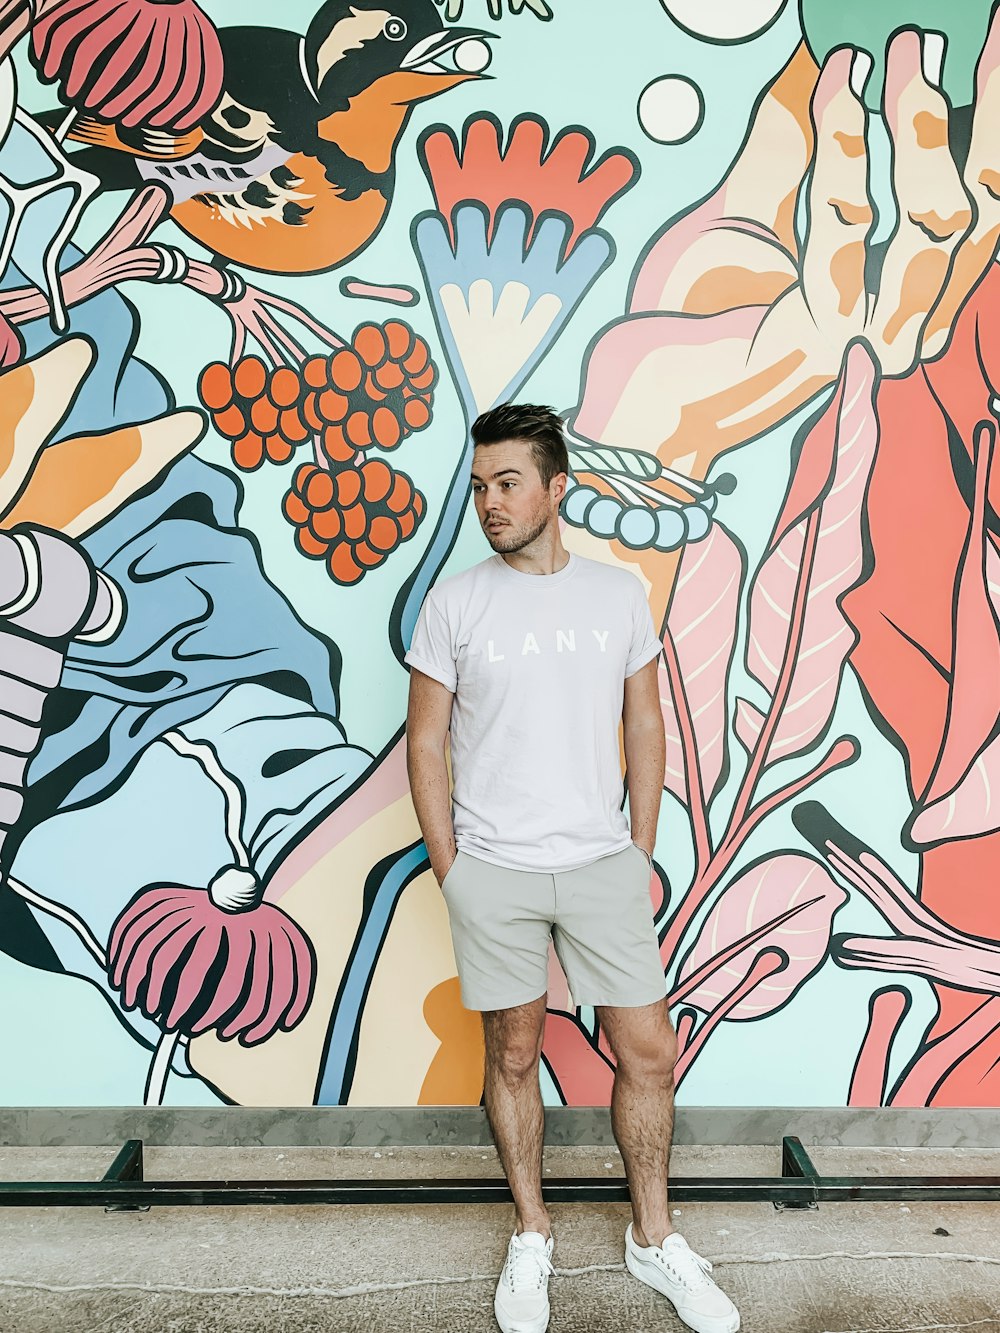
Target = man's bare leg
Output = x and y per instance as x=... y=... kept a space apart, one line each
x=642 y=1109
x=514 y=1105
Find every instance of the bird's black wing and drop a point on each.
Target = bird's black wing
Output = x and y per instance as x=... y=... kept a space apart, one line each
x=265 y=98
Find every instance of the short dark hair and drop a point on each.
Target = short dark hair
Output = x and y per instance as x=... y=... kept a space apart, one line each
x=540 y=427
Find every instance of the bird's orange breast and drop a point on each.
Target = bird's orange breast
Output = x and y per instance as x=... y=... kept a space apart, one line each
x=334 y=229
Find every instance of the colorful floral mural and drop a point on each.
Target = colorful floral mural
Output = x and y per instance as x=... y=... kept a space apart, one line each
x=255 y=283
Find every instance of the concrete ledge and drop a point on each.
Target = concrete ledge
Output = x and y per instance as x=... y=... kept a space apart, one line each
x=373 y=1127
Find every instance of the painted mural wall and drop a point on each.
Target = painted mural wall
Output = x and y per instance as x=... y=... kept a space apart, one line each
x=258 y=275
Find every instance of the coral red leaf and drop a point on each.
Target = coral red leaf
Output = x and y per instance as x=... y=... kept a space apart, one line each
x=584 y=1076
x=975 y=676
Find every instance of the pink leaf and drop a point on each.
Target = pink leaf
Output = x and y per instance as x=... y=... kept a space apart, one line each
x=701 y=622
x=972 y=809
x=970 y=965
x=765 y=893
x=796 y=594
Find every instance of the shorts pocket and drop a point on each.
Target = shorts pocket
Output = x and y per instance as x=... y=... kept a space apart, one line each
x=450 y=872
x=644 y=854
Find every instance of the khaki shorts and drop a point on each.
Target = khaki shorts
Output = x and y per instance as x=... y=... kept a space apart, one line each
x=599 y=917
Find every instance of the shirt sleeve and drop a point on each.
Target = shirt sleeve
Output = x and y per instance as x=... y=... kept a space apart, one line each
x=645 y=643
x=431 y=648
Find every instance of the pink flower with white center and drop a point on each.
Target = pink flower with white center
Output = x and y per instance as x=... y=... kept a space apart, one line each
x=193 y=961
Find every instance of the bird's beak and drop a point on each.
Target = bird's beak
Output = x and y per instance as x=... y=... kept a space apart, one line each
x=436 y=63
x=368 y=129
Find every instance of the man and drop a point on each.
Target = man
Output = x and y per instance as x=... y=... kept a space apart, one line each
x=531 y=659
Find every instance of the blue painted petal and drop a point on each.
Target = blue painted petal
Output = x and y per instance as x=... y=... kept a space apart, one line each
x=510 y=237
x=549 y=242
x=433 y=246
x=471 y=252
x=590 y=256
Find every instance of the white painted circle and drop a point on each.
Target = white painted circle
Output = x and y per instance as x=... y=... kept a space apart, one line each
x=670 y=109
x=724 y=20
x=472 y=56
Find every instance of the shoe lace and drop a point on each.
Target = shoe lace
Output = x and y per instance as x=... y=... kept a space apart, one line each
x=527 y=1267
x=688 y=1268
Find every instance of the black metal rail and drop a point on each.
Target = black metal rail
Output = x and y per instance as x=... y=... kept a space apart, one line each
x=800 y=1185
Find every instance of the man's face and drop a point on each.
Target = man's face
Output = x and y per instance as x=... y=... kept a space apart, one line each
x=513 y=506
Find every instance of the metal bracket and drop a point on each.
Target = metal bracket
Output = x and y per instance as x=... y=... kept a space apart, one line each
x=796 y=1164
x=126 y=1166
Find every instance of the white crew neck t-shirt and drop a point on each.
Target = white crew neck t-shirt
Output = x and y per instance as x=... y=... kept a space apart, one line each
x=537 y=664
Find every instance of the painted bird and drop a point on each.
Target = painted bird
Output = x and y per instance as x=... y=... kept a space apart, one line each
x=292 y=171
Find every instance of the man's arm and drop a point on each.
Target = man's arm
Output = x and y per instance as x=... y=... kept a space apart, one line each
x=427 y=721
x=645 y=752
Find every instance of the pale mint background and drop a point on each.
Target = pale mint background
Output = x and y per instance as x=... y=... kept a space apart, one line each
x=588 y=66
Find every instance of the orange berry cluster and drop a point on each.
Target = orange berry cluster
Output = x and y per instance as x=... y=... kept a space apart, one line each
x=255 y=408
x=374 y=393
x=352 y=518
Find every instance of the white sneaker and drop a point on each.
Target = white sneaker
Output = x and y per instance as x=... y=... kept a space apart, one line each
x=521 y=1304
x=682 y=1276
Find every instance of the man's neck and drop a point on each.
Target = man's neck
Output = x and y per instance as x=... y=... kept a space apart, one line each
x=544 y=556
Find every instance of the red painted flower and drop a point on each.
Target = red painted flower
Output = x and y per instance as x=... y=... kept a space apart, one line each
x=547 y=178
x=136 y=62
x=193 y=961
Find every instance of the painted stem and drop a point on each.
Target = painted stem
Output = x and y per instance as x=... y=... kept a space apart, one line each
x=318 y=330
x=271 y=351
x=238 y=343
x=796 y=624
x=689 y=745
x=64 y=914
x=765 y=965
x=886 y=891
x=685 y=1027
x=969 y=967
x=842 y=752
x=159 y=1069
x=232 y=795
x=871 y=1071
x=296 y=352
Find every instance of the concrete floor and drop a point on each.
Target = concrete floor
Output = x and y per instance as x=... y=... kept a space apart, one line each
x=845 y=1268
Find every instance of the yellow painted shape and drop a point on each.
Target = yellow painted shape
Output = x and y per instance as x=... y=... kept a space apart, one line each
x=34 y=399
x=397 y=1046
x=78 y=483
x=455 y=1077
x=496 y=331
